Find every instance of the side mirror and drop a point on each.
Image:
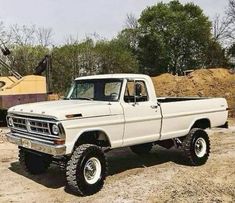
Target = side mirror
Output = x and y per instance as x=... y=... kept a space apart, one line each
x=113 y=96
x=138 y=89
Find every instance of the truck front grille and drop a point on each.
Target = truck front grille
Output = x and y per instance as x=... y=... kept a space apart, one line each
x=19 y=123
x=39 y=127
x=36 y=129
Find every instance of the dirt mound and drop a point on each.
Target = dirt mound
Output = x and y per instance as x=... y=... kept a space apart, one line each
x=217 y=82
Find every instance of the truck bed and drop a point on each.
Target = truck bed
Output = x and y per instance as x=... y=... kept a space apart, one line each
x=180 y=113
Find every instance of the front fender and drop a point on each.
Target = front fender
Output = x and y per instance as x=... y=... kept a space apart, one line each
x=70 y=143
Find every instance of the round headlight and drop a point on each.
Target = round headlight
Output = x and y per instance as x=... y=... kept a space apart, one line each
x=11 y=122
x=55 y=129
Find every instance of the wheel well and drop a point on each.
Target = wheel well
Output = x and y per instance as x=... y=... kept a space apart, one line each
x=94 y=137
x=202 y=123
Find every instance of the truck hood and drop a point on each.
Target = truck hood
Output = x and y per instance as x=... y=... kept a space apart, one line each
x=59 y=109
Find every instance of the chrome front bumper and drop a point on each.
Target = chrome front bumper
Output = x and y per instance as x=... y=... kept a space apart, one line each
x=55 y=150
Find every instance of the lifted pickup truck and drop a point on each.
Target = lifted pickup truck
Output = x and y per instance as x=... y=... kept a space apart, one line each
x=105 y=112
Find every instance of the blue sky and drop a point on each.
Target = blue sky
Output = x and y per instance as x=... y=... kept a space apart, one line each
x=80 y=18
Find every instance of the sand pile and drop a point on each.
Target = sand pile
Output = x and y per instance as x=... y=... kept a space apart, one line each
x=217 y=82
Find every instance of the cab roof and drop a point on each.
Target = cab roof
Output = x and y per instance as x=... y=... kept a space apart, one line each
x=116 y=76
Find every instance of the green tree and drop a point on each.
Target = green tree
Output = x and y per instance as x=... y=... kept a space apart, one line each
x=216 y=56
x=87 y=58
x=24 y=58
x=115 y=57
x=231 y=55
x=173 y=37
x=231 y=50
x=70 y=61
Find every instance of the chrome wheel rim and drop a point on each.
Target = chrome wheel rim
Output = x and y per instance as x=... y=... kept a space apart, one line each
x=92 y=170
x=200 y=147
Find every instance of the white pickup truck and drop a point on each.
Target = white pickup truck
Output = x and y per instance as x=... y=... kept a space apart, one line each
x=105 y=112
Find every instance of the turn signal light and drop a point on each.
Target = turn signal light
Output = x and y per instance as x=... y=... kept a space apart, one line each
x=59 y=141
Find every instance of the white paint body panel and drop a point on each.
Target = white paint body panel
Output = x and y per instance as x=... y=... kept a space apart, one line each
x=179 y=117
x=127 y=124
x=142 y=123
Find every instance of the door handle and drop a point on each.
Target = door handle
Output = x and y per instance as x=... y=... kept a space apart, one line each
x=154 y=106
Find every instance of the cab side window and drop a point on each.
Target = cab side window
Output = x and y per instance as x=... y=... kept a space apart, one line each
x=136 y=91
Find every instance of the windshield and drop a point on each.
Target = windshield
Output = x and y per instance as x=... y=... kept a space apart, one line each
x=96 y=89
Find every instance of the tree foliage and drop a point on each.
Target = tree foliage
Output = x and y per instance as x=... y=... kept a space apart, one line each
x=167 y=37
x=88 y=58
x=172 y=37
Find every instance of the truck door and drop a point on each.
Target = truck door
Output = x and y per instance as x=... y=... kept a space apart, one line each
x=142 y=116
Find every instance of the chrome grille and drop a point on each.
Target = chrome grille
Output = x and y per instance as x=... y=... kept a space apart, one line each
x=34 y=129
x=19 y=123
x=39 y=127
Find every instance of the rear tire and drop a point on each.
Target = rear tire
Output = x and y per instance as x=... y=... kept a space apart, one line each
x=34 y=163
x=196 y=146
x=142 y=148
x=86 y=170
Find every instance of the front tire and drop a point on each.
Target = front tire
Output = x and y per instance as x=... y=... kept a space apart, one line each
x=86 y=170
x=196 y=146
x=32 y=162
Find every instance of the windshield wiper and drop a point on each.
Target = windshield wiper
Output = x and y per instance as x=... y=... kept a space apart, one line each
x=84 y=98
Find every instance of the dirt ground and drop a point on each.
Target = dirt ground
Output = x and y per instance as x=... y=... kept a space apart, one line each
x=161 y=176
